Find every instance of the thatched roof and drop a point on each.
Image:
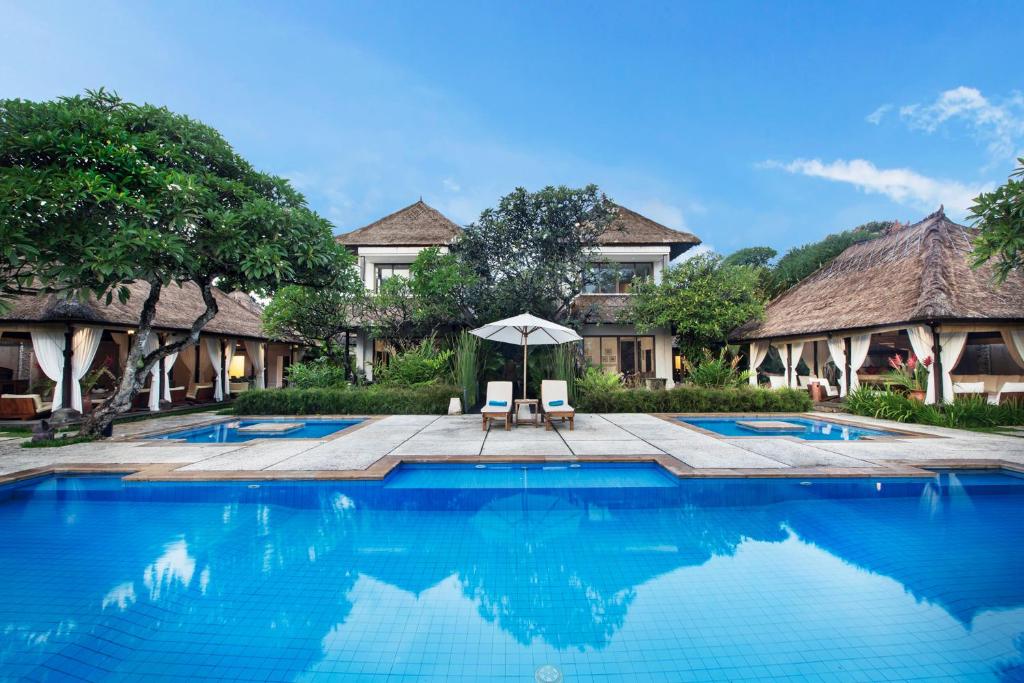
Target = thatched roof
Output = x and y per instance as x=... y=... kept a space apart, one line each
x=915 y=273
x=602 y=308
x=179 y=306
x=417 y=225
x=630 y=228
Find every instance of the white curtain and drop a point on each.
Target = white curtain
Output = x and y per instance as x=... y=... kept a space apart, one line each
x=808 y=356
x=188 y=359
x=758 y=352
x=122 y=340
x=952 y=344
x=837 y=352
x=168 y=366
x=255 y=352
x=797 y=353
x=1014 y=340
x=213 y=352
x=152 y=344
x=859 y=345
x=84 y=344
x=229 y=355
x=48 y=344
x=922 y=344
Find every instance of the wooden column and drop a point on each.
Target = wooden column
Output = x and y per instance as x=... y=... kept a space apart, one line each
x=266 y=357
x=195 y=373
x=223 y=371
x=789 y=365
x=937 y=366
x=69 y=335
x=348 y=362
x=816 y=370
x=163 y=367
x=847 y=343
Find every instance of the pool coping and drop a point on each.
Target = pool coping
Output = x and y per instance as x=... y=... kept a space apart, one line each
x=168 y=472
x=147 y=439
x=893 y=436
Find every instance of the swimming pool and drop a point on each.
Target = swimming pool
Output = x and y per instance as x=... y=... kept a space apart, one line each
x=606 y=573
x=228 y=432
x=803 y=428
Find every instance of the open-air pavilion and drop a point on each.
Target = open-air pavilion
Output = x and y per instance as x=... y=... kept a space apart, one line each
x=50 y=345
x=911 y=291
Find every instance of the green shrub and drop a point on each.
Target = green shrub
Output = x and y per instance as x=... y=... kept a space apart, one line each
x=318 y=374
x=715 y=372
x=467 y=367
x=422 y=364
x=431 y=399
x=596 y=380
x=964 y=412
x=692 y=399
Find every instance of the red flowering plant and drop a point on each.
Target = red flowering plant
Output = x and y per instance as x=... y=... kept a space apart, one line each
x=911 y=374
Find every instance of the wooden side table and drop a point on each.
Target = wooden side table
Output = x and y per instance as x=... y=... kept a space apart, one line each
x=533 y=405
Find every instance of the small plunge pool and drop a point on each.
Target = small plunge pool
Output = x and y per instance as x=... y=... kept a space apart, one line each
x=798 y=427
x=237 y=431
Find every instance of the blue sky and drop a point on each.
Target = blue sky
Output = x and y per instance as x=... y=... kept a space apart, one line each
x=766 y=123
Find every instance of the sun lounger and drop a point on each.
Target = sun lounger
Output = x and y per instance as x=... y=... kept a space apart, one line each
x=23 y=406
x=498 y=405
x=1010 y=391
x=777 y=381
x=554 y=401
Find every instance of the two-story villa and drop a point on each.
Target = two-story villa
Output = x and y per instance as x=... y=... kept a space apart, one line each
x=633 y=246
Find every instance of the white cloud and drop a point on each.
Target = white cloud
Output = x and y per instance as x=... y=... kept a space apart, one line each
x=875 y=117
x=901 y=185
x=1000 y=125
x=451 y=185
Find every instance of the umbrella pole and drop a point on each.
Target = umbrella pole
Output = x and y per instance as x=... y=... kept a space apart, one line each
x=526 y=348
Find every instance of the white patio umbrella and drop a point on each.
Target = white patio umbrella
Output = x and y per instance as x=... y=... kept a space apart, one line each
x=526 y=330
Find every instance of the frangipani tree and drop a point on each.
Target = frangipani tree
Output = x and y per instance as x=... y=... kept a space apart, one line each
x=96 y=192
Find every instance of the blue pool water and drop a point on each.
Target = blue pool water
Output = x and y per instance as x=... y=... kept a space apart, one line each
x=808 y=430
x=227 y=432
x=608 y=573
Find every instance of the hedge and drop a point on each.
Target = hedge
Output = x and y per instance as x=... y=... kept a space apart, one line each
x=694 y=399
x=372 y=400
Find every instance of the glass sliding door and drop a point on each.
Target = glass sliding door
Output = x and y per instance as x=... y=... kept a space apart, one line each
x=631 y=356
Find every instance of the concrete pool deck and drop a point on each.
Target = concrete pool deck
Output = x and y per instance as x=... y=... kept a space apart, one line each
x=371 y=449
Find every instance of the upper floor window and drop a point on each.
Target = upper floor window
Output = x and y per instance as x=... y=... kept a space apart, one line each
x=385 y=271
x=616 y=278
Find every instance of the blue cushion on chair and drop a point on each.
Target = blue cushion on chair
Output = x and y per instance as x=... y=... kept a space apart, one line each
x=556 y=403
x=499 y=404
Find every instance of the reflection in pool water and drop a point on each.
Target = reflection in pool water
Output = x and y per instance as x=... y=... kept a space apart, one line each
x=426 y=576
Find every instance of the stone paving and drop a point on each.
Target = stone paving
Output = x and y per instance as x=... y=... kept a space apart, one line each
x=596 y=436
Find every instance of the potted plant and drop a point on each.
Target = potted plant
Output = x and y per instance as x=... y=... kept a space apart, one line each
x=911 y=375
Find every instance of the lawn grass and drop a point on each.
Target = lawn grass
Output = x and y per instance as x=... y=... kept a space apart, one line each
x=58 y=442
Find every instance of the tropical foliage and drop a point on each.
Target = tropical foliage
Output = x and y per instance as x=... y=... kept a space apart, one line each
x=531 y=252
x=681 y=301
x=96 y=193
x=467 y=368
x=317 y=318
x=999 y=215
x=428 y=399
x=424 y=363
x=322 y=373
x=963 y=412
x=710 y=370
x=691 y=399
x=910 y=374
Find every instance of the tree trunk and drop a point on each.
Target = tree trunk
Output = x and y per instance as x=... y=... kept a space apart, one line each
x=139 y=363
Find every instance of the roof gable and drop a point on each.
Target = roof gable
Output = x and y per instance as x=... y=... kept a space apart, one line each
x=632 y=228
x=920 y=272
x=417 y=225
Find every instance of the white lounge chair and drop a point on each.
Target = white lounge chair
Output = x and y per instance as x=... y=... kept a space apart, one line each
x=777 y=381
x=1009 y=391
x=969 y=388
x=498 y=405
x=807 y=380
x=554 y=401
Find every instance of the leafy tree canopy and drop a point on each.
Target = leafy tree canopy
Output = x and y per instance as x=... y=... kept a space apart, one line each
x=316 y=317
x=1000 y=216
x=681 y=301
x=758 y=257
x=96 y=192
x=531 y=253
